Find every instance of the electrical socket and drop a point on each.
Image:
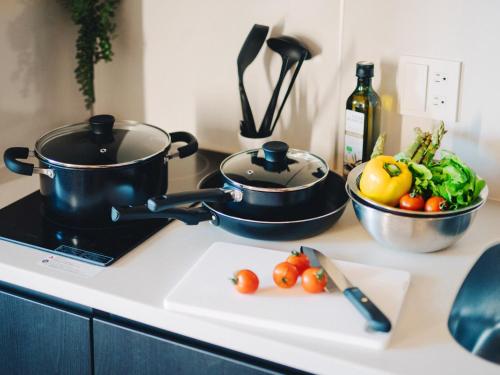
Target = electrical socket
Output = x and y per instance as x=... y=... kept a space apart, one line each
x=429 y=88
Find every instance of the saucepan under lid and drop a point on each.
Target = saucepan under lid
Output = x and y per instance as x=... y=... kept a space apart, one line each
x=102 y=142
x=274 y=167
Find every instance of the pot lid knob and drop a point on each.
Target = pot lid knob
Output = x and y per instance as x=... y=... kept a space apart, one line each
x=102 y=124
x=275 y=151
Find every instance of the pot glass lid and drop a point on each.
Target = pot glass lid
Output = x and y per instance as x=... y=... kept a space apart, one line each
x=101 y=142
x=274 y=166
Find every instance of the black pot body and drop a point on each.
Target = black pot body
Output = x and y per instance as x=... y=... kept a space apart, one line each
x=260 y=203
x=84 y=197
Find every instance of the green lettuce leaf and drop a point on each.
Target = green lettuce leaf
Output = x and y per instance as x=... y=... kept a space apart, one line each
x=453 y=180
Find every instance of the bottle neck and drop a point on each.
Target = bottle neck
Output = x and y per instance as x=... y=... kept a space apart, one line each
x=364 y=84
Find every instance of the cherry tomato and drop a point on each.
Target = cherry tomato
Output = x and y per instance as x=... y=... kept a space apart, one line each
x=245 y=281
x=285 y=275
x=435 y=204
x=314 y=280
x=413 y=202
x=299 y=260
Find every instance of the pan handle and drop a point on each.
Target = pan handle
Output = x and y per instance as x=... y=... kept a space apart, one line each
x=168 y=201
x=190 y=216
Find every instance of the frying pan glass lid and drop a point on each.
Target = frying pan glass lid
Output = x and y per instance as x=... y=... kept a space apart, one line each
x=276 y=167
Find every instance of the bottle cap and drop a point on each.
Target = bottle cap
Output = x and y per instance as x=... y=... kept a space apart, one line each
x=364 y=69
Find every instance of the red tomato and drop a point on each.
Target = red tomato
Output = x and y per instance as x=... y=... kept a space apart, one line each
x=285 y=275
x=413 y=202
x=299 y=260
x=245 y=281
x=314 y=280
x=435 y=204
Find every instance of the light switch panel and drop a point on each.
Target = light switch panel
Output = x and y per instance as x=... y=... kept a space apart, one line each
x=414 y=94
x=429 y=87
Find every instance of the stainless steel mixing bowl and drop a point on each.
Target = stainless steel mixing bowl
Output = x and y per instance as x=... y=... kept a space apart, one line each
x=407 y=230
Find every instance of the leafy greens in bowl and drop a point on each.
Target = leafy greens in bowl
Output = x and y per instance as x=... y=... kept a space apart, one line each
x=455 y=182
x=415 y=180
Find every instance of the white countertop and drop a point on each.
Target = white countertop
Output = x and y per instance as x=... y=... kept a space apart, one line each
x=134 y=287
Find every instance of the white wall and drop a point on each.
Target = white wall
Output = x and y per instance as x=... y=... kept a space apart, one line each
x=37 y=88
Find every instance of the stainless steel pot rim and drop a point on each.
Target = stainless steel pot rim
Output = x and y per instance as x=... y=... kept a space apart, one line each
x=273 y=190
x=427 y=216
x=352 y=188
x=40 y=156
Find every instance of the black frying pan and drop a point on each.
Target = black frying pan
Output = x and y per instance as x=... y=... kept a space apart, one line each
x=323 y=212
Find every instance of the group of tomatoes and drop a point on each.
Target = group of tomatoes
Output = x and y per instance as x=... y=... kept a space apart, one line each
x=285 y=275
x=415 y=202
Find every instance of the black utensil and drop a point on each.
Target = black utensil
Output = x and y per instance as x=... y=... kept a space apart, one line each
x=306 y=55
x=291 y=51
x=250 y=49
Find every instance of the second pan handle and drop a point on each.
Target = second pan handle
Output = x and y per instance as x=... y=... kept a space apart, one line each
x=169 y=201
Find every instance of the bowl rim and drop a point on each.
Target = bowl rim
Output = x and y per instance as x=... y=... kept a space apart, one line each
x=352 y=188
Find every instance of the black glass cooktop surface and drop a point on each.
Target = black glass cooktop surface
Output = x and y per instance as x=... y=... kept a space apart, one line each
x=98 y=246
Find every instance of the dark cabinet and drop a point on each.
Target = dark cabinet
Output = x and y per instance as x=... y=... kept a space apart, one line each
x=37 y=338
x=121 y=350
x=41 y=334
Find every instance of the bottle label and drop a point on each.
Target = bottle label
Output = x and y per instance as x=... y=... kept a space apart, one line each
x=353 y=141
x=354 y=122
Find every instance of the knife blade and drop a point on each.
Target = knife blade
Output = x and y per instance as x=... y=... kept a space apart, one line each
x=376 y=319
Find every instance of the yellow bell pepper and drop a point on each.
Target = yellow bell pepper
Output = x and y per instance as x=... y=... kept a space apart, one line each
x=385 y=180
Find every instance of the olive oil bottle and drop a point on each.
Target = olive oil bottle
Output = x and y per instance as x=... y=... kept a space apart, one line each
x=362 y=119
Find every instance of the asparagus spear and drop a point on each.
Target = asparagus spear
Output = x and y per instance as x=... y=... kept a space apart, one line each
x=412 y=149
x=437 y=136
x=378 y=149
x=417 y=158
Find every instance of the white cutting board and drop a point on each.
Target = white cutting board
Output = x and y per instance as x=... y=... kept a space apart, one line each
x=207 y=291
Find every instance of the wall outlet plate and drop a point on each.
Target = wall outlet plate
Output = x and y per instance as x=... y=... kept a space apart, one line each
x=429 y=88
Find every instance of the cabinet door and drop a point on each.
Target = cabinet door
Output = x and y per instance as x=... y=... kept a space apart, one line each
x=39 y=339
x=122 y=350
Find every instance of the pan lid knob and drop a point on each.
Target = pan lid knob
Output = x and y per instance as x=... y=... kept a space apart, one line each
x=102 y=124
x=275 y=151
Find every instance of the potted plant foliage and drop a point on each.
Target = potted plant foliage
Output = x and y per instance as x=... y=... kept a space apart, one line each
x=96 y=22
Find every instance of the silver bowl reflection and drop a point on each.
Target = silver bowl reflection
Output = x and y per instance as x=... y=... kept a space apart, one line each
x=409 y=230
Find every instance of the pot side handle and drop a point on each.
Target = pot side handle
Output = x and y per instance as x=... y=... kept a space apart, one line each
x=190 y=216
x=10 y=157
x=189 y=149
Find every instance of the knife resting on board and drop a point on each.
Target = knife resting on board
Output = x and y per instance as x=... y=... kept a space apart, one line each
x=376 y=319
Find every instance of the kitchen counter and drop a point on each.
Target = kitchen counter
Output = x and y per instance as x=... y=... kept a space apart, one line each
x=134 y=287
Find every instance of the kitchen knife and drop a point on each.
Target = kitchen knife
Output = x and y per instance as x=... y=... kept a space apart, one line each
x=377 y=321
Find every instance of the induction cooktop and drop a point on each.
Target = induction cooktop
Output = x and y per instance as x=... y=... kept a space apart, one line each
x=101 y=246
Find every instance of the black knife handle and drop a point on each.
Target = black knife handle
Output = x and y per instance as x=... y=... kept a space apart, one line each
x=377 y=321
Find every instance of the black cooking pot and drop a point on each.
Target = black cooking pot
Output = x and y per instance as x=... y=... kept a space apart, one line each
x=87 y=168
x=273 y=177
